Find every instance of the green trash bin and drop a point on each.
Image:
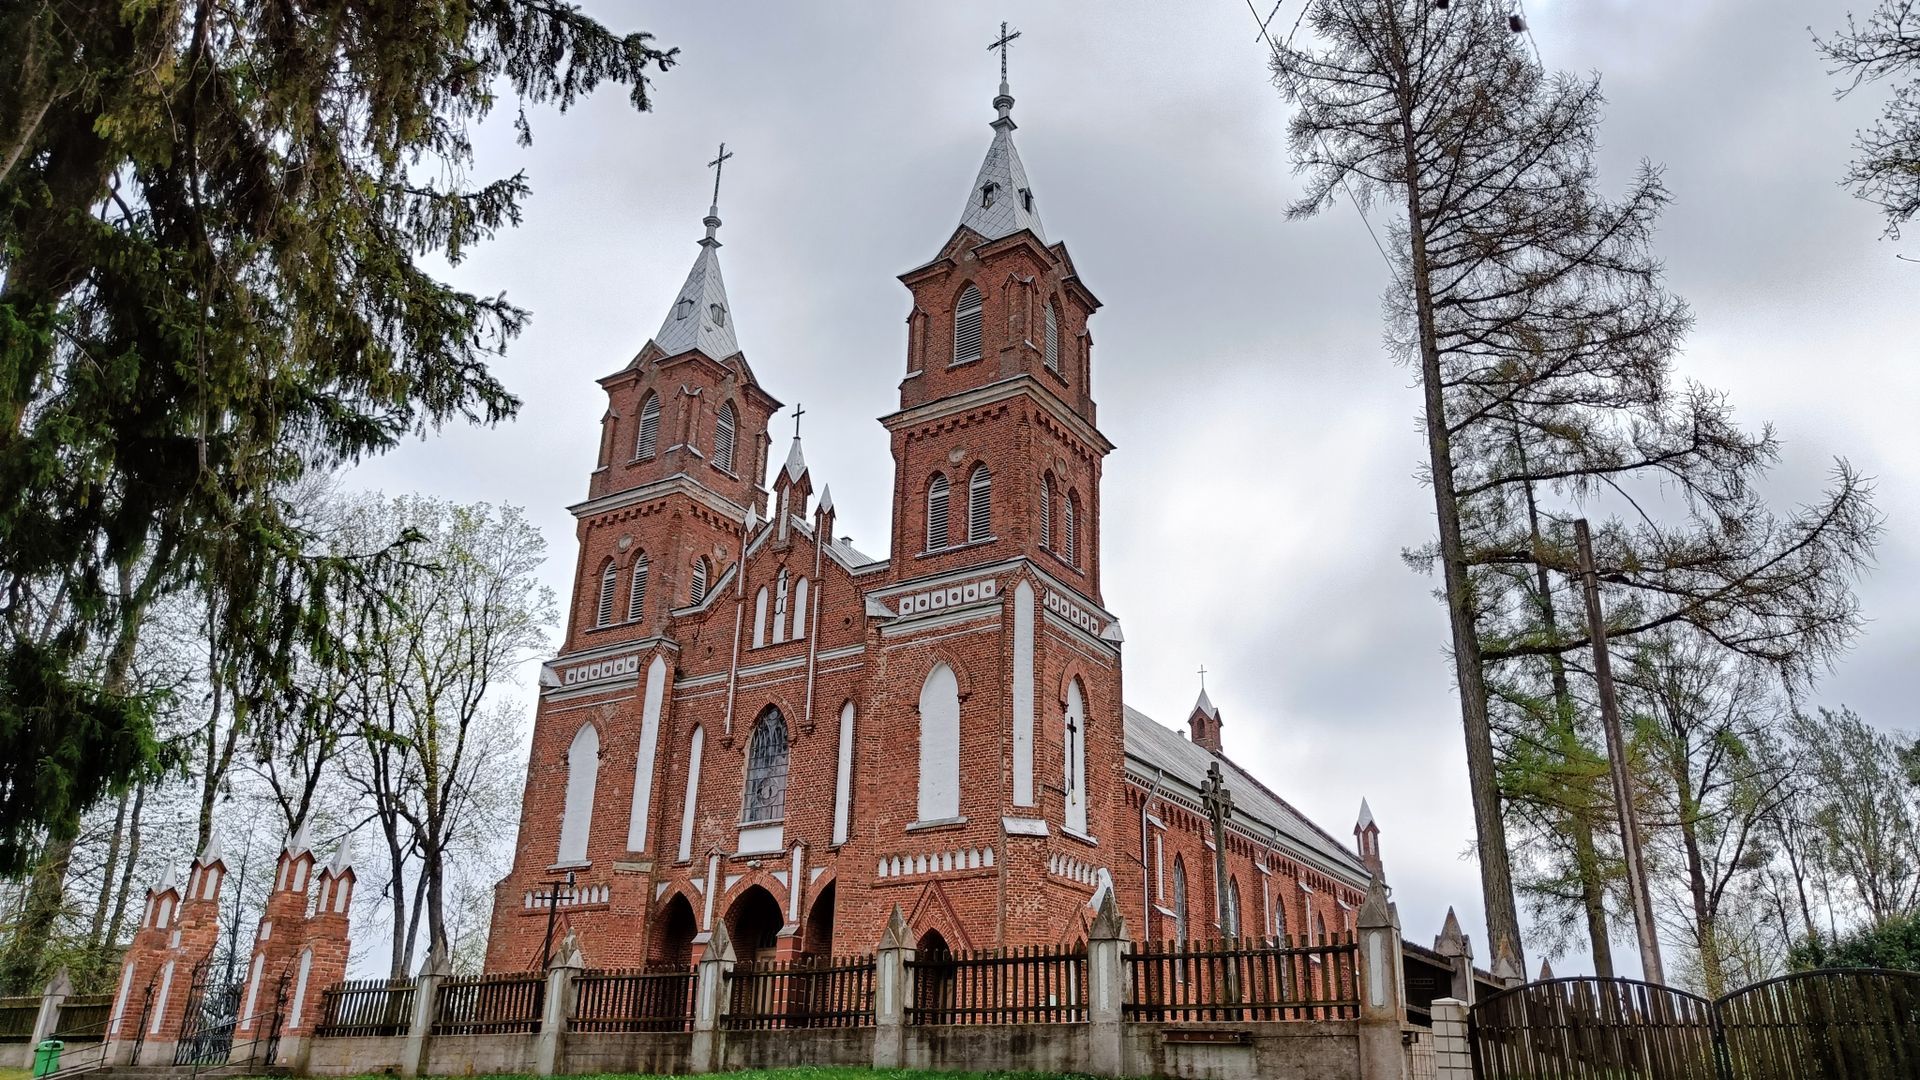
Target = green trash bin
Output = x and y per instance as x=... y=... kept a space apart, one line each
x=46 y=1057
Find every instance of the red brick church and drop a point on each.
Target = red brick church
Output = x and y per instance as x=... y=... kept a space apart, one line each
x=752 y=723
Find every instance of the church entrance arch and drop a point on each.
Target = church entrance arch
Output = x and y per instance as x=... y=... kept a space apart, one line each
x=933 y=974
x=820 y=922
x=754 y=922
x=674 y=929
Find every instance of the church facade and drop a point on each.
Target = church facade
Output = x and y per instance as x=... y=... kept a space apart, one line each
x=750 y=722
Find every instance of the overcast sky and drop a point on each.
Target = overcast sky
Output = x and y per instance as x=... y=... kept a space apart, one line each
x=1263 y=486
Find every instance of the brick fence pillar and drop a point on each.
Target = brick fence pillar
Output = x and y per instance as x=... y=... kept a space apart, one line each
x=561 y=971
x=426 y=1005
x=1383 y=1007
x=892 y=990
x=710 y=1000
x=1106 y=988
x=1452 y=1058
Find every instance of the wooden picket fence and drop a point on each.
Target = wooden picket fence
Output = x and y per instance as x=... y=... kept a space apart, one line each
x=1039 y=984
x=17 y=1015
x=366 y=1008
x=83 y=1018
x=490 y=1004
x=1243 y=979
x=649 y=999
x=808 y=992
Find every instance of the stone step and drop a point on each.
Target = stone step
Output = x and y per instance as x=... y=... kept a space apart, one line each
x=168 y=1072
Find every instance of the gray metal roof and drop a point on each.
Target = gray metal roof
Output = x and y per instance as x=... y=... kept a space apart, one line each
x=1259 y=811
x=700 y=317
x=1010 y=204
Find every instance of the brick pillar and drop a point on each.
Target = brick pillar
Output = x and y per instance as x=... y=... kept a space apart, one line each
x=278 y=940
x=321 y=962
x=1452 y=1058
x=892 y=990
x=177 y=932
x=561 y=971
x=140 y=971
x=710 y=1000
x=1106 y=988
x=1383 y=1005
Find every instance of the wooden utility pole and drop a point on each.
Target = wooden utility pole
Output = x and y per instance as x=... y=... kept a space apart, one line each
x=1643 y=924
x=1219 y=803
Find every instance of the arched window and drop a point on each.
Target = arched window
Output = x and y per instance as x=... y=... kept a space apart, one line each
x=1046 y=511
x=760 y=617
x=1070 y=539
x=1179 y=899
x=637 y=589
x=1074 y=734
x=766 y=798
x=1232 y=913
x=979 y=504
x=1320 y=930
x=800 y=609
x=583 y=774
x=1052 y=354
x=1279 y=915
x=939 y=745
x=649 y=438
x=937 y=513
x=699 y=590
x=967 y=318
x=723 y=430
x=780 y=607
x=609 y=580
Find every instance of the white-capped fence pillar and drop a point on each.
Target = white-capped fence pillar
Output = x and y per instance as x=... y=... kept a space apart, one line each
x=426 y=1005
x=710 y=1001
x=48 y=1018
x=1452 y=1058
x=1383 y=1006
x=1106 y=989
x=566 y=964
x=892 y=990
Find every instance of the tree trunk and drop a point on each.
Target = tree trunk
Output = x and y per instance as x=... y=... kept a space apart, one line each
x=104 y=900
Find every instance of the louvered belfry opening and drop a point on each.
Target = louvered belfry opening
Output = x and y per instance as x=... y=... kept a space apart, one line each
x=609 y=580
x=637 y=594
x=1046 y=511
x=723 y=432
x=979 y=505
x=937 y=513
x=1053 y=339
x=648 y=441
x=967 y=318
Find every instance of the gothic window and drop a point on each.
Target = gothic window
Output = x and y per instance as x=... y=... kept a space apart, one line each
x=843 y=778
x=1046 y=511
x=1232 y=906
x=723 y=437
x=780 y=607
x=800 y=609
x=1179 y=899
x=937 y=513
x=1320 y=930
x=967 y=318
x=939 y=745
x=979 y=504
x=699 y=590
x=583 y=773
x=766 y=797
x=649 y=438
x=609 y=581
x=637 y=589
x=1070 y=540
x=1074 y=732
x=1279 y=928
x=760 y=618
x=1053 y=339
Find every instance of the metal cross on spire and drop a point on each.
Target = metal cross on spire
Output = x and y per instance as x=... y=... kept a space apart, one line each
x=716 y=165
x=1004 y=41
x=798 y=412
x=1203 y=677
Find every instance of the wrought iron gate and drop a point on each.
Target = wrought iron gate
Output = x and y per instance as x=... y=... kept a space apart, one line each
x=1856 y=1024
x=213 y=1009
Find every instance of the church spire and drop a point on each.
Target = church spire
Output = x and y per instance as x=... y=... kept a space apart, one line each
x=700 y=317
x=1001 y=202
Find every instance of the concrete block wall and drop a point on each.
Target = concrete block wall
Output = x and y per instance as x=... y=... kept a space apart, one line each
x=1452 y=1058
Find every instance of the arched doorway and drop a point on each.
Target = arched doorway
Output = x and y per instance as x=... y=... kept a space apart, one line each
x=674 y=929
x=820 y=922
x=933 y=978
x=754 y=922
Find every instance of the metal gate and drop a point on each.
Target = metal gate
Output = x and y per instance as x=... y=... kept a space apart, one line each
x=1852 y=1024
x=213 y=1008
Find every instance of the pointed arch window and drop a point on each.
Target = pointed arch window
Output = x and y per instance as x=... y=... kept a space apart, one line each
x=1046 y=511
x=609 y=581
x=939 y=745
x=937 y=513
x=1231 y=915
x=1279 y=916
x=760 y=618
x=780 y=607
x=968 y=316
x=723 y=432
x=979 y=504
x=1179 y=899
x=1052 y=354
x=766 y=796
x=1074 y=738
x=699 y=590
x=648 y=440
x=1070 y=531
x=799 y=609
x=637 y=590
x=583 y=774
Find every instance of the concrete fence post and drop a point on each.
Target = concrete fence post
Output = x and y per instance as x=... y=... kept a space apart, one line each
x=1452 y=1058
x=1383 y=1006
x=426 y=1005
x=892 y=989
x=710 y=1001
x=48 y=1018
x=566 y=964
x=1106 y=989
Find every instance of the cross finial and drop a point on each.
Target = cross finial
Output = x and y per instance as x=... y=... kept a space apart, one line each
x=716 y=164
x=1002 y=43
x=798 y=412
x=1203 y=676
